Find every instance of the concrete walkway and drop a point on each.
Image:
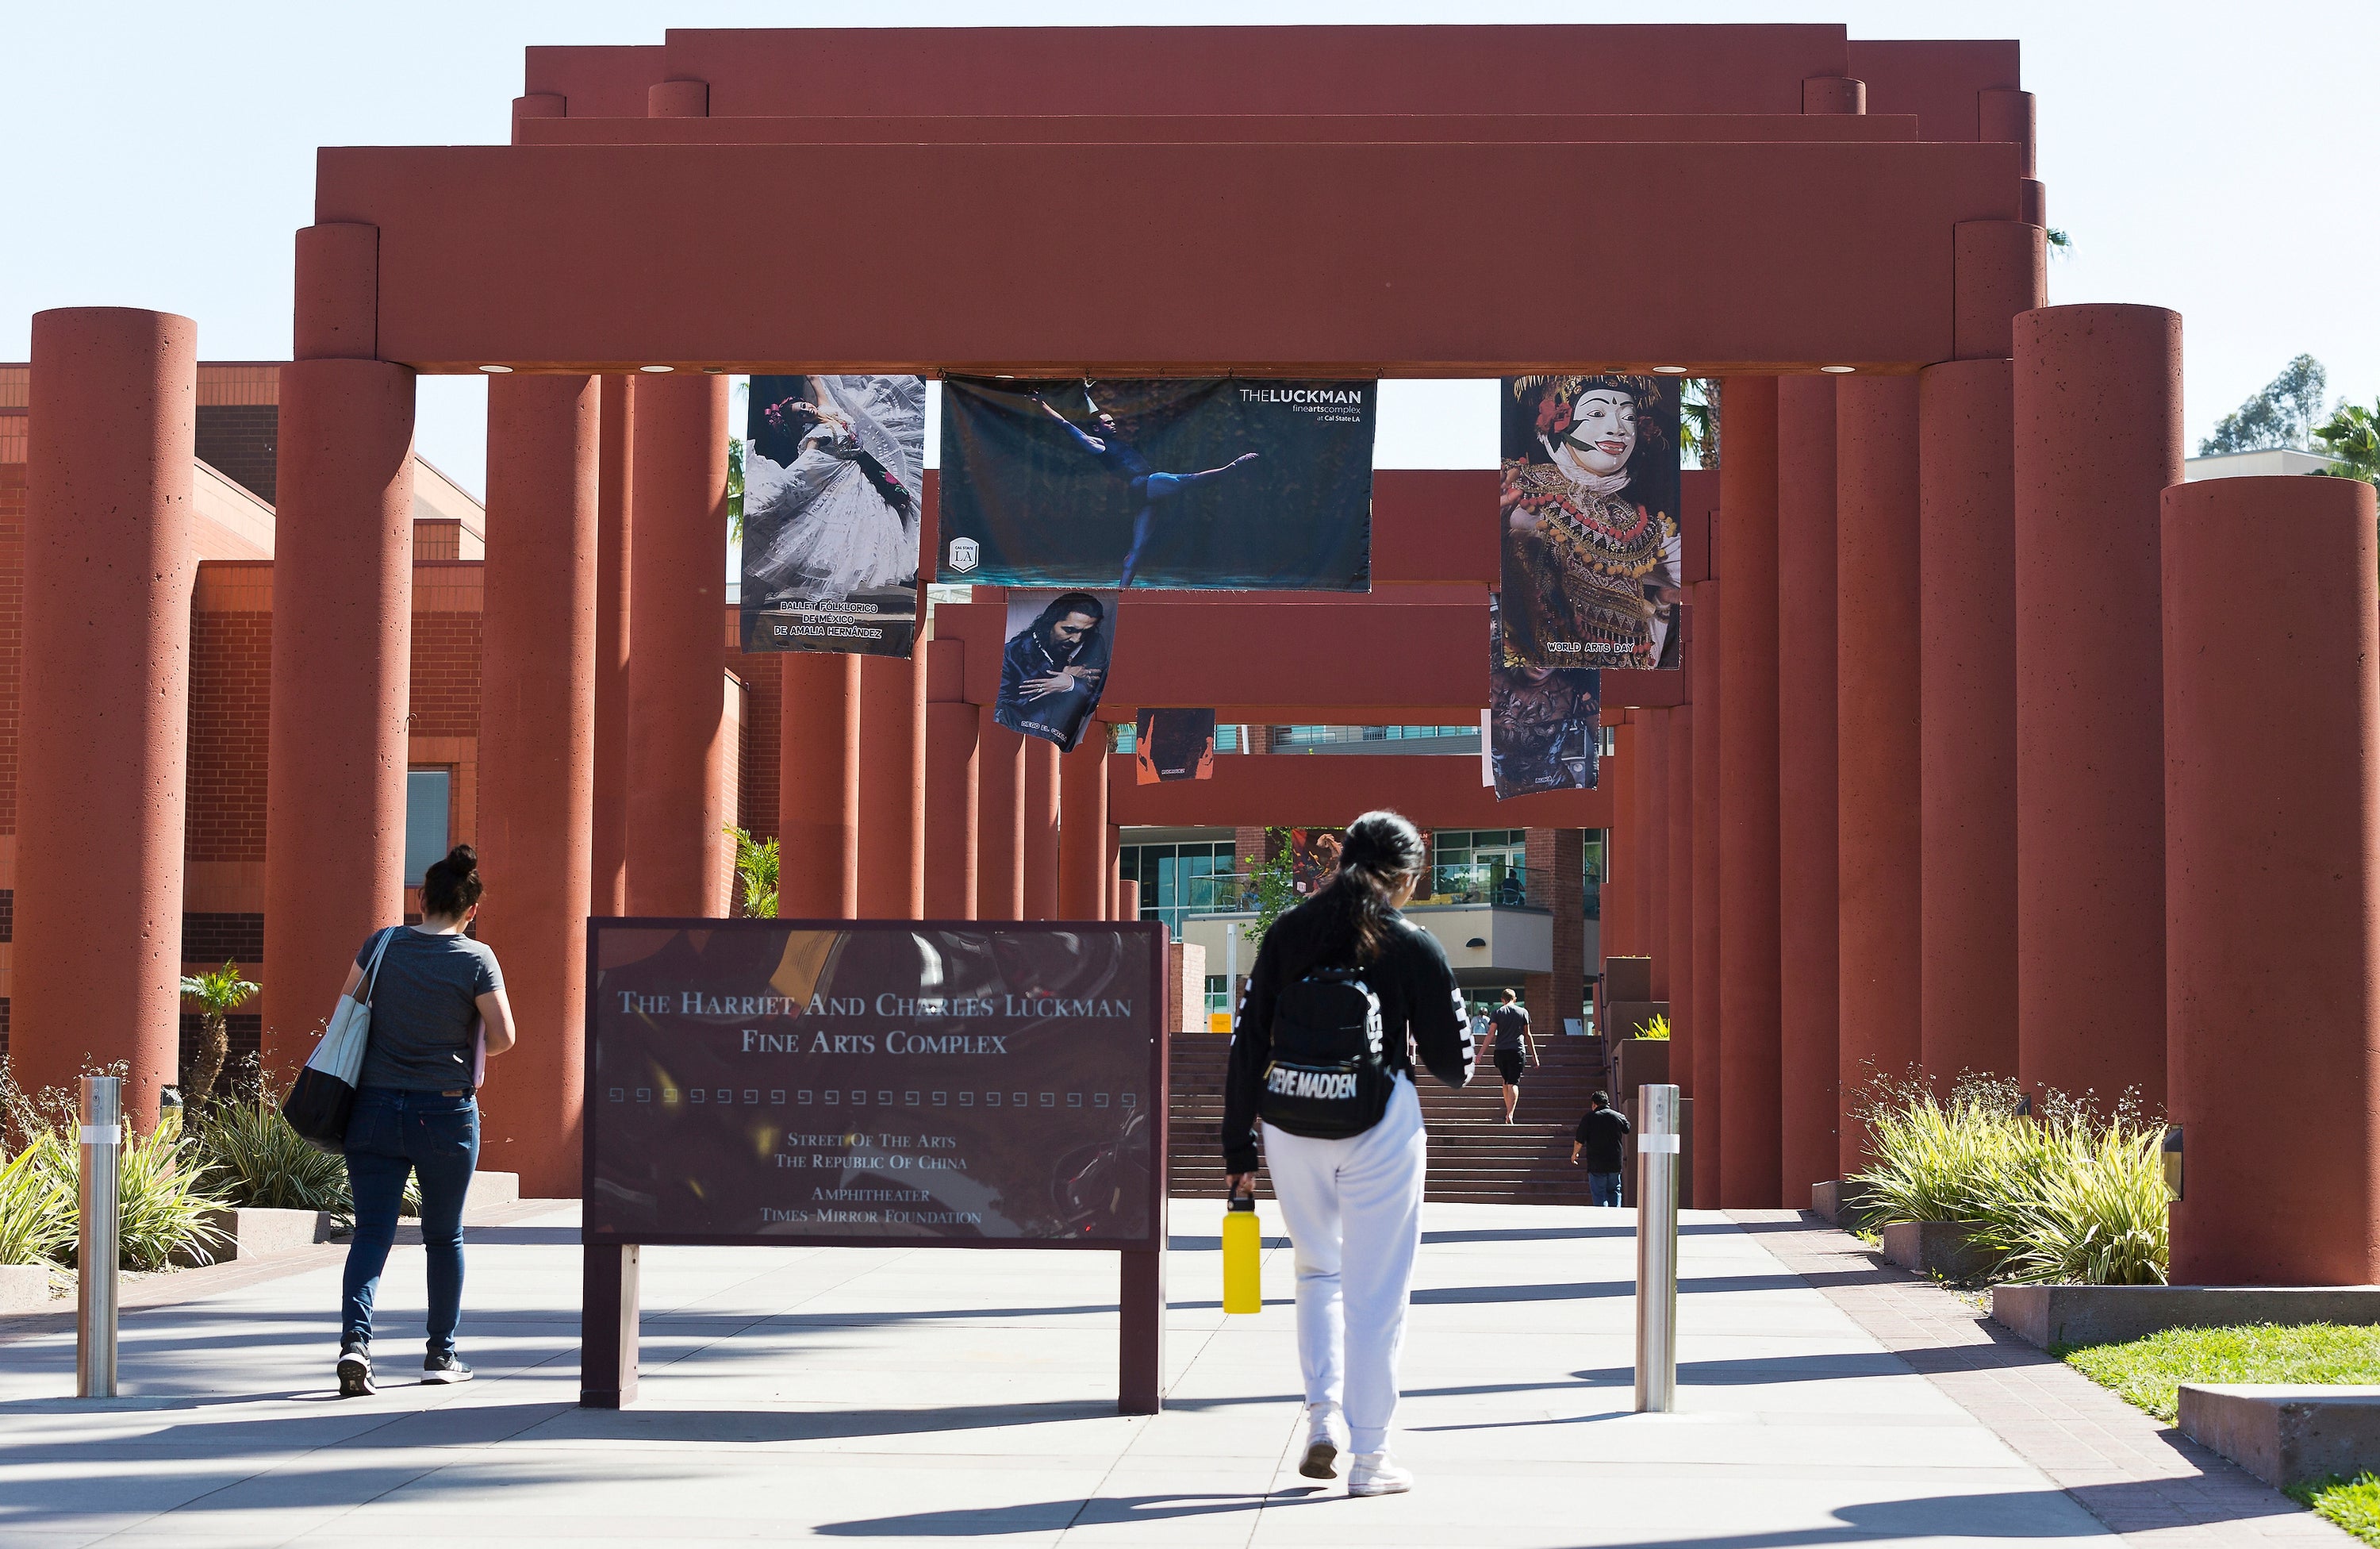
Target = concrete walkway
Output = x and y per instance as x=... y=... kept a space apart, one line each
x=923 y=1395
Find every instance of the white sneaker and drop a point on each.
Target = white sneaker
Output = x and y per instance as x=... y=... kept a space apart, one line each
x=1377 y=1473
x=1326 y=1438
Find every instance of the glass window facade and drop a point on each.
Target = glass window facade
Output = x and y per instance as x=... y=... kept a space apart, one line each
x=427 y=794
x=1480 y=866
x=1175 y=880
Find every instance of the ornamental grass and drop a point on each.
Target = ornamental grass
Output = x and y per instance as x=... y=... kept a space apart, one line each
x=2070 y=1195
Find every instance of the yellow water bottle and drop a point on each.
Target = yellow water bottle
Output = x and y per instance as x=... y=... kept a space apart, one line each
x=1243 y=1257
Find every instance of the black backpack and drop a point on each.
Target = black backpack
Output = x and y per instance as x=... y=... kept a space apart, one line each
x=1329 y=1078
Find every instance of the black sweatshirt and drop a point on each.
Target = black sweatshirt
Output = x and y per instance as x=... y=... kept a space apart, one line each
x=1418 y=996
x=1604 y=1133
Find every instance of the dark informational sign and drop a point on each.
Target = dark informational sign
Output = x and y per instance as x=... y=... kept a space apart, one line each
x=764 y=1081
x=834 y=492
x=1174 y=745
x=1588 y=521
x=1545 y=724
x=1220 y=483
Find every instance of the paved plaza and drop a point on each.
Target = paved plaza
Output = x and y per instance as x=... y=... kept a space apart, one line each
x=919 y=1396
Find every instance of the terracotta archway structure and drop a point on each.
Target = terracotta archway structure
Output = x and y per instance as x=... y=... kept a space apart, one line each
x=1765 y=204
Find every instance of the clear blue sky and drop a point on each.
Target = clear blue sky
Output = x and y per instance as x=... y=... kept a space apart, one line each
x=2205 y=157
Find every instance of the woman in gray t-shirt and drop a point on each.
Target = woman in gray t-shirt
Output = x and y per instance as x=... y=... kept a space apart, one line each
x=416 y=1108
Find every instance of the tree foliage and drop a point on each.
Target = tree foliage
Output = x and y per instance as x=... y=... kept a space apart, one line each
x=756 y=873
x=1274 y=883
x=2282 y=413
x=2352 y=435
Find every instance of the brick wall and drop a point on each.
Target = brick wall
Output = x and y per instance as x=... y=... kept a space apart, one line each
x=217 y=937
x=12 y=630
x=756 y=807
x=1557 y=858
x=445 y=675
x=239 y=441
x=231 y=686
x=243 y=1031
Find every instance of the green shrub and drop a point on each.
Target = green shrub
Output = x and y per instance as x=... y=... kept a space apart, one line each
x=253 y=1159
x=162 y=1206
x=1936 y=1159
x=1658 y=1030
x=37 y=1211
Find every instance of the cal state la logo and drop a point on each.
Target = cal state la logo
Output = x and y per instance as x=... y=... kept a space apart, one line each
x=965 y=555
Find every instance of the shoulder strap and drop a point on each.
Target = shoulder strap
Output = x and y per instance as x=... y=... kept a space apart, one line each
x=371 y=974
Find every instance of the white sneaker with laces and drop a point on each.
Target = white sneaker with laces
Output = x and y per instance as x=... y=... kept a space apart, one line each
x=1326 y=1438
x=1377 y=1473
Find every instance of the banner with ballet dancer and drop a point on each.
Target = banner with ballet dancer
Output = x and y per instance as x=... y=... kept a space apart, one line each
x=1055 y=666
x=1544 y=725
x=1174 y=745
x=1234 y=485
x=1589 y=521
x=833 y=490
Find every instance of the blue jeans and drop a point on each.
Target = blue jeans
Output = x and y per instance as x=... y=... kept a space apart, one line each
x=1603 y=1188
x=391 y=1133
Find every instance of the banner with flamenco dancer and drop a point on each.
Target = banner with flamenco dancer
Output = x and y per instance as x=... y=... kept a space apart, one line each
x=1544 y=725
x=1232 y=484
x=833 y=490
x=1589 y=521
x=1055 y=666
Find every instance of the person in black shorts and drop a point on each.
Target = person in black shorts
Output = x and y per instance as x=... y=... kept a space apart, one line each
x=1515 y=1050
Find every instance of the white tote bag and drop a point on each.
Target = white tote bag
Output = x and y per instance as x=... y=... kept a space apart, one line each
x=340 y=1055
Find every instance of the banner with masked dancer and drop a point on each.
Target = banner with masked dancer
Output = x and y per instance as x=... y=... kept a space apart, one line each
x=1228 y=484
x=1174 y=745
x=1545 y=724
x=833 y=490
x=1590 y=521
x=1055 y=666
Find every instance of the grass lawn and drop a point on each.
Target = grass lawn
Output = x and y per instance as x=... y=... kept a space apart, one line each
x=2148 y=1371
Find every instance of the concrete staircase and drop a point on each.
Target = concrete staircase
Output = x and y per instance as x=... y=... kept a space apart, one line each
x=1475 y=1157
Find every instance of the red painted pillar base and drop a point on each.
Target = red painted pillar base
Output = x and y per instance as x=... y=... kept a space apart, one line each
x=103 y=735
x=818 y=775
x=1041 y=801
x=952 y=774
x=2272 y=879
x=1710 y=1023
x=1000 y=821
x=1083 y=890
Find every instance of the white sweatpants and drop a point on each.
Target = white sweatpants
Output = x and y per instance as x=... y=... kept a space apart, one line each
x=1353 y=1212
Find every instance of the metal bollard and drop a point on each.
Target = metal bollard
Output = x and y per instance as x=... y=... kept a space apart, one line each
x=103 y=1135
x=1657 y=1251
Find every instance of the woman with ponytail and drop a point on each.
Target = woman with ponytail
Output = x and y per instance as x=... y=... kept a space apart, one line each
x=416 y=1108
x=1353 y=1202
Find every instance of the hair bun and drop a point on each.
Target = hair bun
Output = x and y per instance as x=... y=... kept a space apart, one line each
x=462 y=861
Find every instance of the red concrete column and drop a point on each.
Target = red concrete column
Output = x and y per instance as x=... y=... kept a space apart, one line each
x=1966 y=549
x=102 y=729
x=1622 y=858
x=2272 y=809
x=1681 y=841
x=608 y=892
x=951 y=778
x=1652 y=804
x=1751 y=1153
x=536 y=763
x=679 y=858
x=1041 y=800
x=1806 y=855
x=1083 y=889
x=1711 y=1019
x=1000 y=821
x=891 y=795
x=819 y=775
x=342 y=649
x=2098 y=438
x=1877 y=730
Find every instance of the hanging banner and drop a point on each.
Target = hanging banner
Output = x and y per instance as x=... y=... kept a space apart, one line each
x=1545 y=724
x=833 y=490
x=1055 y=666
x=1229 y=484
x=1589 y=521
x=1174 y=745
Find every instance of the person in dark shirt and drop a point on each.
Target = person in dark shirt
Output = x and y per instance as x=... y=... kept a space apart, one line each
x=1515 y=1050
x=1603 y=1139
x=416 y=1111
x=1122 y=459
x=1353 y=1205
